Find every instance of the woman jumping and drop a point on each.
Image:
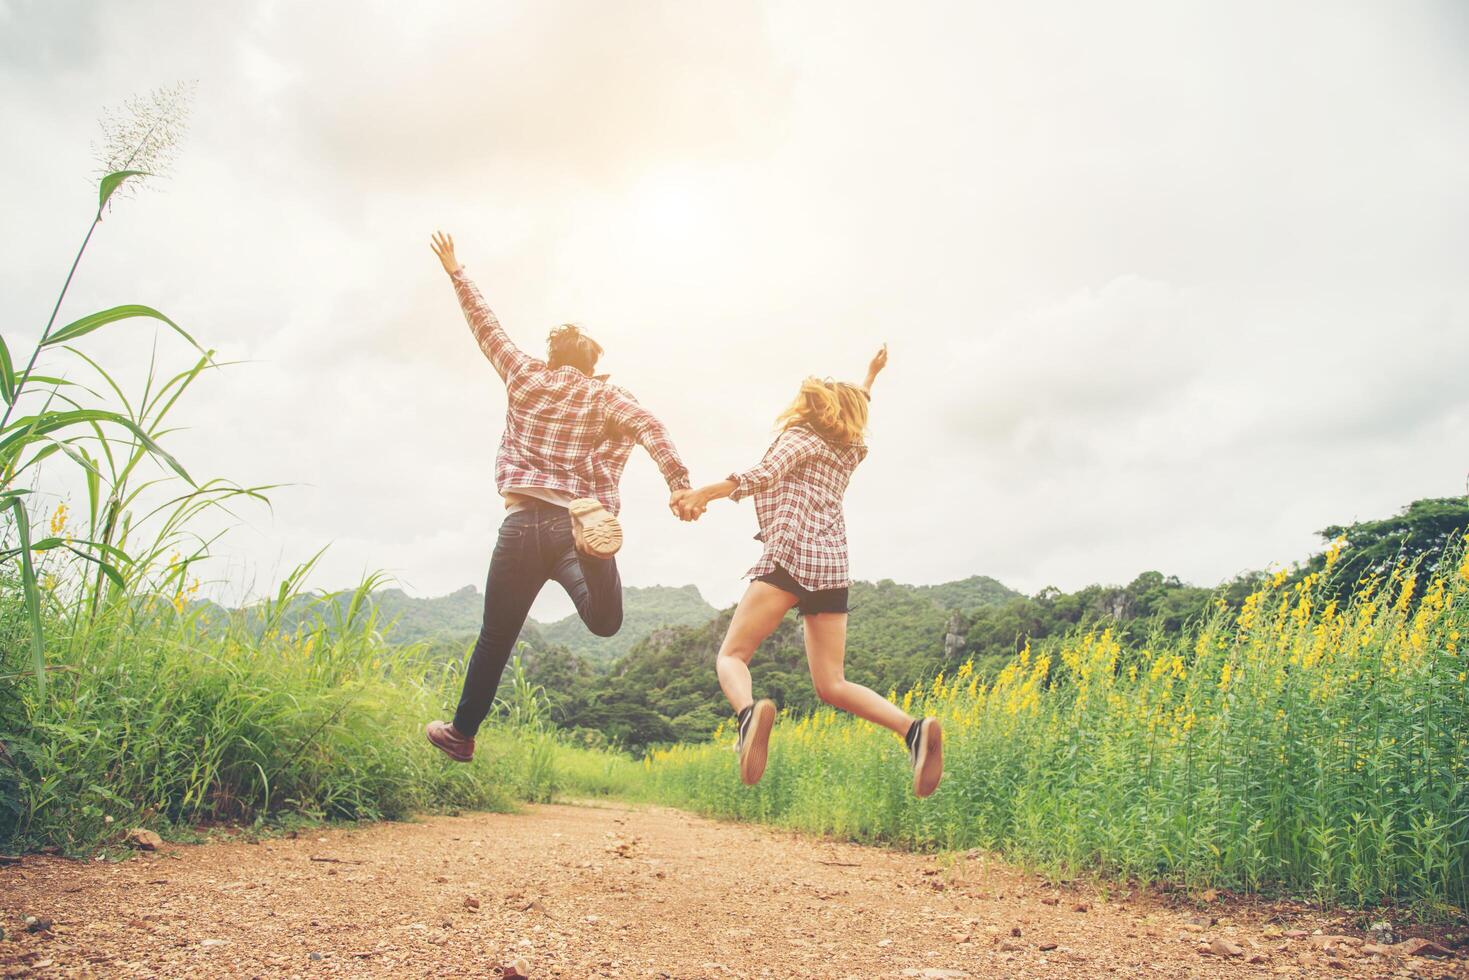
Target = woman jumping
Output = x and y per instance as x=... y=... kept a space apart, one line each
x=798 y=490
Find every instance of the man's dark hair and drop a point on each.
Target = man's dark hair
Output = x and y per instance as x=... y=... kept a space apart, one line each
x=569 y=347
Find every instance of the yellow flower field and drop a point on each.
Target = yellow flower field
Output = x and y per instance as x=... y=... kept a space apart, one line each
x=1292 y=743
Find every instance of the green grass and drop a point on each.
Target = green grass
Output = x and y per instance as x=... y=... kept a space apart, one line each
x=1292 y=746
x=155 y=716
x=583 y=773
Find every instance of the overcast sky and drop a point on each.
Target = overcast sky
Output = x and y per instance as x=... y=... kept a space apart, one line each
x=1166 y=285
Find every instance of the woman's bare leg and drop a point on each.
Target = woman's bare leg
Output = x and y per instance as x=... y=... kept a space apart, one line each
x=760 y=611
x=826 y=654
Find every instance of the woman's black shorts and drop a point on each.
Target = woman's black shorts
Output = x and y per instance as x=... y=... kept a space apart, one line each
x=810 y=603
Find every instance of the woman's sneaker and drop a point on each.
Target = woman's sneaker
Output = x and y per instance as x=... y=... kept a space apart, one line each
x=596 y=530
x=753 y=746
x=926 y=755
x=446 y=739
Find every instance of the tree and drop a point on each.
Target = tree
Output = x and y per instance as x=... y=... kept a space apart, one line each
x=1419 y=535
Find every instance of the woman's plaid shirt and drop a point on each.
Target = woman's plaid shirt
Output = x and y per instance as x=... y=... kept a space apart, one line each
x=798 y=490
x=563 y=430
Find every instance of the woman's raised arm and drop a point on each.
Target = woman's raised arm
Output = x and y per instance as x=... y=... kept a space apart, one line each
x=878 y=362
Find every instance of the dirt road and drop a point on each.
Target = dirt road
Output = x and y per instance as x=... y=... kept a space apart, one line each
x=606 y=890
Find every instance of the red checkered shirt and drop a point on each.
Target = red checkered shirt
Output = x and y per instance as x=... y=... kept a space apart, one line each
x=798 y=489
x=564 y=430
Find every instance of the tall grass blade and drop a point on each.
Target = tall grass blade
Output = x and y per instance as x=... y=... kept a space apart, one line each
x=101 y=318
x=26 y=429
x=32 y=593
x=7 y=373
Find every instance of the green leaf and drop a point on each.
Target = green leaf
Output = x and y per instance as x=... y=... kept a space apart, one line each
x=112 y=182
x=32 y=594
x=94 y=486
x=107 y=569
x=26 y=430
x=7 y=374
x=100 y=319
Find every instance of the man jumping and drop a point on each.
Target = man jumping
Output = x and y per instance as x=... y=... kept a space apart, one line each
x=568 y=436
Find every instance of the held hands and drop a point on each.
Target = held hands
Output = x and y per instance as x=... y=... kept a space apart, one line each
x=687 y=505
x=443 y=246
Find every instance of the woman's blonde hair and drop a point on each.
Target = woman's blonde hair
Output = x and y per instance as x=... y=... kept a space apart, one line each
x=835 y=409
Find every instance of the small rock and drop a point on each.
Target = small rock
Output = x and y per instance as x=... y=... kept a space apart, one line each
x=1336 y=964
x=1015 y=931
x=470 y=902
x=314 y=956
x=441 y=878
x=144 y=839
x=591 y=920
x=1050 y=900
x=38 y=923
x=1192 y=927
x=1080 y=907
x=1258 y=958
x=1382 y=932
x=1046 y=947
x=1296 y=934
x=1271 y=932
x=1010 y=946
x=1422 y=947
x=884 y=943
x=1223 y=947
x=1322 y=942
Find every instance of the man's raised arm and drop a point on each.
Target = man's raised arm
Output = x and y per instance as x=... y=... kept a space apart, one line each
x=492 y=339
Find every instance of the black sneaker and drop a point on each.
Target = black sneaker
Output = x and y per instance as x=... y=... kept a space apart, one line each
x=926 y=755
x=754 y=742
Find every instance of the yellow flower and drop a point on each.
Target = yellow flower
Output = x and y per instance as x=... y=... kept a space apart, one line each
x=58 y=520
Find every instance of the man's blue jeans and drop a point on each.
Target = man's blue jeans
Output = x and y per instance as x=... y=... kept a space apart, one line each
x=535 y=547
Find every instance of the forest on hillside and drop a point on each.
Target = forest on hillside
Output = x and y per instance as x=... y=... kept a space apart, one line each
x=664 y=689
x=653 y=683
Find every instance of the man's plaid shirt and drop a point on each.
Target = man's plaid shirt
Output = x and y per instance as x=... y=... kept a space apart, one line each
x=798 y=490
x=563 y=430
